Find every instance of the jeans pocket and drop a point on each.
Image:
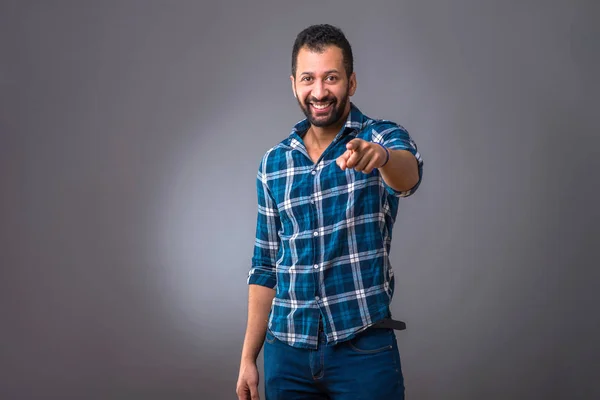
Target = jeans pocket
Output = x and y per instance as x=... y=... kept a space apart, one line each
x=373 y=340
x=270 y=338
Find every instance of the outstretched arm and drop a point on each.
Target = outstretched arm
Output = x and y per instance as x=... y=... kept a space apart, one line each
x=399 y=171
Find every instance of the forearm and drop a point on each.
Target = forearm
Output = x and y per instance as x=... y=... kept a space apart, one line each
x=260 y=299
x=401 y=171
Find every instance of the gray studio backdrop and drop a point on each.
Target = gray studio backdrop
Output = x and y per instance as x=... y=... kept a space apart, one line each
x=131 y=133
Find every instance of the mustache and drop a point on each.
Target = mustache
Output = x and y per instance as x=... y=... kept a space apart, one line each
x=325 y=100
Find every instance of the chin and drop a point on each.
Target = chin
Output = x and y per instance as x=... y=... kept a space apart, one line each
x=321 y=122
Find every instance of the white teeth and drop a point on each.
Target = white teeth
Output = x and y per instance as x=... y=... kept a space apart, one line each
x=321 y=107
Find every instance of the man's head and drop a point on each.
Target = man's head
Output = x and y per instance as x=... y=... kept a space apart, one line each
x=323 y=76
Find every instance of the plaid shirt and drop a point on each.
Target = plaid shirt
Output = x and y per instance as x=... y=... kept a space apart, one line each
x=323 y=235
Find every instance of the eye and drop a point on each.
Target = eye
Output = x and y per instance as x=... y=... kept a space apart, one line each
x=332 y=78
x=305 y=78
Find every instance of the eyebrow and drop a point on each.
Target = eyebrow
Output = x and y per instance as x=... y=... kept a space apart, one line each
x=331 y=71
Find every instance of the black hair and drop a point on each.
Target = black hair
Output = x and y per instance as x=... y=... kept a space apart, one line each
x=317 y=38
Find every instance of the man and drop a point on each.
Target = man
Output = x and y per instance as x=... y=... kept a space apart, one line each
x=321 y=282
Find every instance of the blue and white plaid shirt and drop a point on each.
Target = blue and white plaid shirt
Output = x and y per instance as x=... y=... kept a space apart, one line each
x=323 y=235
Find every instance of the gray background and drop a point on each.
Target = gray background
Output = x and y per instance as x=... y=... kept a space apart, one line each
x=131 y=132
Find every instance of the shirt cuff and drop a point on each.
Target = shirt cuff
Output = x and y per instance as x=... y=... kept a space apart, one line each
x=412 y=190
x=262 y=276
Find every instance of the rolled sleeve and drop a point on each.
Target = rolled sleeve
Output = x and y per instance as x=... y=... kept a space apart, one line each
x=263 y=277
x=395 y=137
x=266 y=243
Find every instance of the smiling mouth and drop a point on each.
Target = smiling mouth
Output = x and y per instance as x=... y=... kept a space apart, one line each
x=320 y=108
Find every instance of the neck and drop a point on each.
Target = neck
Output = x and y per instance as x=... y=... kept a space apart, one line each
x=322 y=136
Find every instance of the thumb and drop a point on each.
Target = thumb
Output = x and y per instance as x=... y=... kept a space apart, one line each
x=341 y=160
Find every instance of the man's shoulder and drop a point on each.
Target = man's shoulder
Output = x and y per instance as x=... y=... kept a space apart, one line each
x=275 y=153
x=379 y=127
x=275 y=156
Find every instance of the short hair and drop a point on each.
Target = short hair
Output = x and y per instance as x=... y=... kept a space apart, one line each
x=317 y=38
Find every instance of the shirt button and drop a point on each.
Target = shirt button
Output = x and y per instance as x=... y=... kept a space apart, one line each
x=316 y=265
x=313 y=172
x=316 y=297
x=316 y=234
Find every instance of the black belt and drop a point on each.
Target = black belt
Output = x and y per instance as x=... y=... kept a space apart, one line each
x=389 y=323
x=386 y=323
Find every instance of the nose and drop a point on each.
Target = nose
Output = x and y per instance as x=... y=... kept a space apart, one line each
x=319 y=91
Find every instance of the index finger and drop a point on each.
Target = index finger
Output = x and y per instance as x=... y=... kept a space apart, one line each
x=254 y=393
x=354 y=144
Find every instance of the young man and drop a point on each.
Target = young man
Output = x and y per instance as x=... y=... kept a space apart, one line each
x=321 y=282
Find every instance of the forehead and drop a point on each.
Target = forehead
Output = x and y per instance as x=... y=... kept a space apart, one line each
x=309 y=61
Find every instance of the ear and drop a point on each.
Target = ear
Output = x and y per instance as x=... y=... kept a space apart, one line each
x=353 y=84
x=293 y=85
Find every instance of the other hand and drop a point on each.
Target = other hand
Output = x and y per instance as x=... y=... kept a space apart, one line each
x=247 y=384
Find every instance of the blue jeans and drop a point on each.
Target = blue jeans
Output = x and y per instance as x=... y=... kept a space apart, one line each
x=366 y=367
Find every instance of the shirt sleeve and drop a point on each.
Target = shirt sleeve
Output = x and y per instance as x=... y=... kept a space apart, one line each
x=395 y=137
x=266 y=244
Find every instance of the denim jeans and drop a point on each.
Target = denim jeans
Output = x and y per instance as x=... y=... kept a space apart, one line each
x=366 y=367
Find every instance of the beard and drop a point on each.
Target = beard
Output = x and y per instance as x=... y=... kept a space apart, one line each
x=323 y=120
